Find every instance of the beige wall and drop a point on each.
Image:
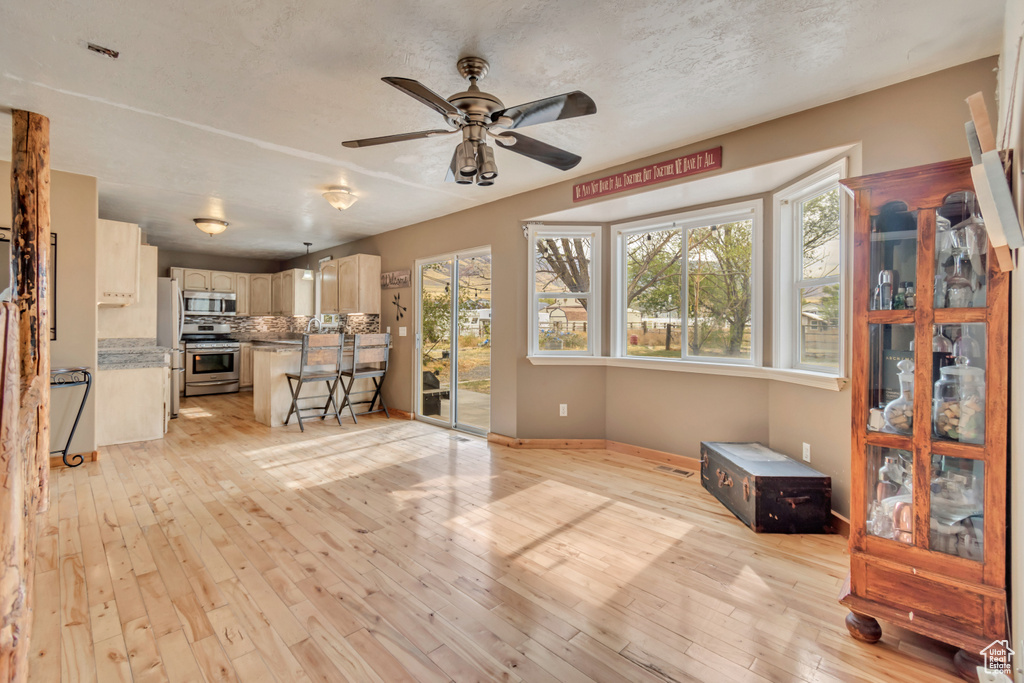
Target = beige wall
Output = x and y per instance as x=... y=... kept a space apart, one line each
x=915 y=122
x=231 y=264
x=73 y=206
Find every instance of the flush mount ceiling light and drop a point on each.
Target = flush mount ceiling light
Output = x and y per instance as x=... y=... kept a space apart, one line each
x=211 y=226
x=307 y=274
x=340 y=198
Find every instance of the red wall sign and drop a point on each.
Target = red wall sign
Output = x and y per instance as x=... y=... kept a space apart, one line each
x=691 y=164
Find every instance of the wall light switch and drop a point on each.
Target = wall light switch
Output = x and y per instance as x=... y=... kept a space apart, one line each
x=807 y=452
x=402 y=331
x=389 y=329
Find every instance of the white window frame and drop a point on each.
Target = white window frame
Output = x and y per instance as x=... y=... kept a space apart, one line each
x=688 y=220
x=593 y=297
x=788 y=281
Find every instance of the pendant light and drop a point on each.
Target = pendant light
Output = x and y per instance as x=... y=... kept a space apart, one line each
x=307 y=274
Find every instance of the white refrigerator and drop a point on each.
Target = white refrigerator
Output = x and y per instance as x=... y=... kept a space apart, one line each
x=170 y=317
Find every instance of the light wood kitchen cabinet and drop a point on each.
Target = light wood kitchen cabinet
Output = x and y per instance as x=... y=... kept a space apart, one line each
x=221 y=281
x=277 y=294
x=329 y=286
x=261 y=294
x=242 y=293
x=351 y=285
x=245 y=371
x=292 y=295
x=196 y=280
x=117 y=263
x=179 y=275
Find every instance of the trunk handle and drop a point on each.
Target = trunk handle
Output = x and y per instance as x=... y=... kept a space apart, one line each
x=796 y=500
x=723 y=478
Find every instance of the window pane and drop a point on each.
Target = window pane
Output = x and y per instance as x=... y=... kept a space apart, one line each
x=961 y=251
x=653 y=293
x=562 y=264
x=892 y=364
x=819 y=226
x=819 y=326
x=718 y=290
x=563 y=324
x=893 y=256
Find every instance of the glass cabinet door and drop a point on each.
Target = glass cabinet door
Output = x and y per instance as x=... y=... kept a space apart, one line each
x=890 y=499
x=957 y=507
x=893 y=258
x=961 y=254
x=958 y=397
x=890 y=390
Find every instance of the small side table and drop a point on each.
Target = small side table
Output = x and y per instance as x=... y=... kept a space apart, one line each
x=72 y=377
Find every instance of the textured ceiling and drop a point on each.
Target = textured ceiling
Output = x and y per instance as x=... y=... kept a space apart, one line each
x=237 y=109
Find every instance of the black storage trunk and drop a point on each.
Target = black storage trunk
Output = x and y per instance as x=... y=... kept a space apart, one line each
x=768 y=491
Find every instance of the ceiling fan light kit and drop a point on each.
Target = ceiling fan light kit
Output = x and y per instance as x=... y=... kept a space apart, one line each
x=340 y=198
x=211 y=226
x=475 y=112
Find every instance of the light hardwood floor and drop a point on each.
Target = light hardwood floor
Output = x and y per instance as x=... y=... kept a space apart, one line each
x=395 y=551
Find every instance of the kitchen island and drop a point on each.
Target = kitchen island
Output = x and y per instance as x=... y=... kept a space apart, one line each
x=271 y=395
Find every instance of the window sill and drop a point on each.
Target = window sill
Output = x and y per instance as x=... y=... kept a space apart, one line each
x=806 y=378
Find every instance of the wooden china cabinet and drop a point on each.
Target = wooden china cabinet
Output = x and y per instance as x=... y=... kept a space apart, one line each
x=929 y=472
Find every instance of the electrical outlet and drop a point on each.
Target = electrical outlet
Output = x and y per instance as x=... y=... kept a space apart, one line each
x=807 y=452
x=389 y=329
x=402 y=331
x=563 y=409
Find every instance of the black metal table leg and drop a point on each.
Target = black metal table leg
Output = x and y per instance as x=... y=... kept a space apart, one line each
x=72 y=377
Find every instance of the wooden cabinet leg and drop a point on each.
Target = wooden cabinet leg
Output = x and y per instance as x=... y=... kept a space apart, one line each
x=967 y=664
x=863 y=628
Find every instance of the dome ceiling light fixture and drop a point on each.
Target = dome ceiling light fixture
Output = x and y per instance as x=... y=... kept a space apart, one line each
x=211 y=226
x=340 y=198
x=478 y=115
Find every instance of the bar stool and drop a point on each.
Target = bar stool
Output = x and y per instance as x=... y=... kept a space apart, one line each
x=321 y=362
x=369 y=361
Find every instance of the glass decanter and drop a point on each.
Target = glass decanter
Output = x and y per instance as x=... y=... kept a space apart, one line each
x=899 y=413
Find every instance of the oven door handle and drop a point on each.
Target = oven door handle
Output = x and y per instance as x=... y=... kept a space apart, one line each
x=212 y=383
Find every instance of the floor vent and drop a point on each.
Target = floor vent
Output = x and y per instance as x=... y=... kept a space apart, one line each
x=674 y=470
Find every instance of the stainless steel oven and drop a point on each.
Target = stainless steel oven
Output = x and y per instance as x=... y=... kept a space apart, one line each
x=212 y=368
x=209 y=303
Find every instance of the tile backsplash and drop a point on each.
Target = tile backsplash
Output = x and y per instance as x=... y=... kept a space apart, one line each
x=248 y=328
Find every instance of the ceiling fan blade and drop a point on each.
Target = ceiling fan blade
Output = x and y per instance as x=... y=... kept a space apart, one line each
x=567 y=106
x=424 y=94
x=541 y=151
x=385 y=139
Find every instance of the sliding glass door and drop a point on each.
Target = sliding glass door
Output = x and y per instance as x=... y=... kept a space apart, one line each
x=453 y=340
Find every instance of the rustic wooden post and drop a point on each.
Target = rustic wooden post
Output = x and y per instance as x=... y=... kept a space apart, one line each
x=16 y=515
x=30 y=256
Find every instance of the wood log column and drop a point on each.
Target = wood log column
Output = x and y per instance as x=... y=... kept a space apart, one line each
x=25 y=390
x=30 y=256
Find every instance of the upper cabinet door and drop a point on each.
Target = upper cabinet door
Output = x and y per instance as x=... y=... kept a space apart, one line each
x=329 y=287
x=242 y=293
x=196 y=280
x=348 y=291
x=222 y=282
x=118 y=272
x=260 y=294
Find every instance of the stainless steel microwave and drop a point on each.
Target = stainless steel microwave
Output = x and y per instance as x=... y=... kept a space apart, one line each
x=209 y=303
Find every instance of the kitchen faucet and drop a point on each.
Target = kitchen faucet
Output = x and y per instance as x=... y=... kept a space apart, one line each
x=310 y=324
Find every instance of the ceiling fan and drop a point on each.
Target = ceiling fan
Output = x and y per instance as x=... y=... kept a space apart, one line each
x=477 y=114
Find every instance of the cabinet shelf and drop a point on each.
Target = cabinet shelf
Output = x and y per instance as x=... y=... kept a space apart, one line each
x=902 y=316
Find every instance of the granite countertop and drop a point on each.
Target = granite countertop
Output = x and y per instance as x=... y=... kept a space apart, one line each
x=131 y=353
